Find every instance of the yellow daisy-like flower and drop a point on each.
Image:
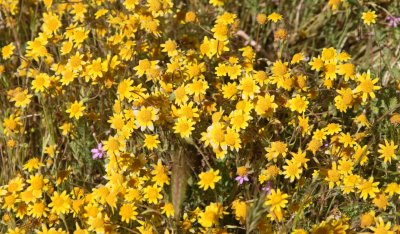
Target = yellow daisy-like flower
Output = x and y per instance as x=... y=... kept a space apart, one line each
x=297 y=58
x=278 y=148
x=392 y=188
x=239 y=120
x=220 y=31
x=60 y=203
x=198 y=87
x=292 y=170
x=208 y=179
x=261 y=18
x=187 y=110
x=387 y=151
x=180 y=94
x=145 y=117
x=329 y=54
x=33 y=164
x=211 y=215
x=381 y=201
x=276 y=200
x=38 y=209
x=15 y=185
x=347 y=70
x=190 y=16
x=66 y=128
x=117 y=121
x=367 y=219
x=125 y=89
x=274 y=17
x=11 y=124
x=316 y=63
x=97 y=68
x=330 y=70
x=215 y=135
x=349 y=183
x=304 y=125
x=184 y=127
x=37 y=185
x=170 y=47
x=319 y=134
x=41 y=82
x=298 y=103
x=9 y=202
x=366 y=85
x=333 y=176
x=232 y=140
x=97 y=222
x=114 y=145
x=168 y=209
x=362 y=120
x=381 y=228
x=130 y=4
x=7 y=51
x=51 y=23
x=344 y=100
x=265 y=105
x=144 y=67
x=334 y=4
x=248 y=87
x=21 y=98
x=368 y=188
x=128 y=212
x=280 y=69
x=369 y=17
x=151 y=141
x=333 y=128
x=160 y=174
x=240 y=209
x=76 y=110
x=37 y=48
x=152 y=194
x=347 y=140
x=300 y=158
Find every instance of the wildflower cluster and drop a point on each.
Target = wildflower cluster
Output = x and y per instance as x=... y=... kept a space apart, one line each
x=151 y=116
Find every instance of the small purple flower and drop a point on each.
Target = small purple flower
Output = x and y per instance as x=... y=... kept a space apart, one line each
x=267 y=188
x=98 y=152
x=393 y=21
x=242 y=179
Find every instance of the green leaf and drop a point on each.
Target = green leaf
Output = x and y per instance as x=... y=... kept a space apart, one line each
x=392 y=103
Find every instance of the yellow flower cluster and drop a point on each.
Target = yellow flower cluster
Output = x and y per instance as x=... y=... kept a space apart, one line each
x=154 y=117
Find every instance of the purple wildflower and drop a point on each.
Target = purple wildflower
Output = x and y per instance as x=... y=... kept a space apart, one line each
x=267 y=188
x=242 y=179
x=393 y=21
x=98 y=152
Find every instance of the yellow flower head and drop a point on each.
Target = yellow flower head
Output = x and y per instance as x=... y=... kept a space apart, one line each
x=274 y=17
x=276 y=200
x=366 y=85
x=387 y=151
x=7 y=51
x=145 y=117
x=76 y=110
x=369 y=17
x=208 y=179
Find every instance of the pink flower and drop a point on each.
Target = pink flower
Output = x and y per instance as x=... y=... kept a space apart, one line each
x=241 y=179
x=98 y=152
x=393 y=21
x=267 y=188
